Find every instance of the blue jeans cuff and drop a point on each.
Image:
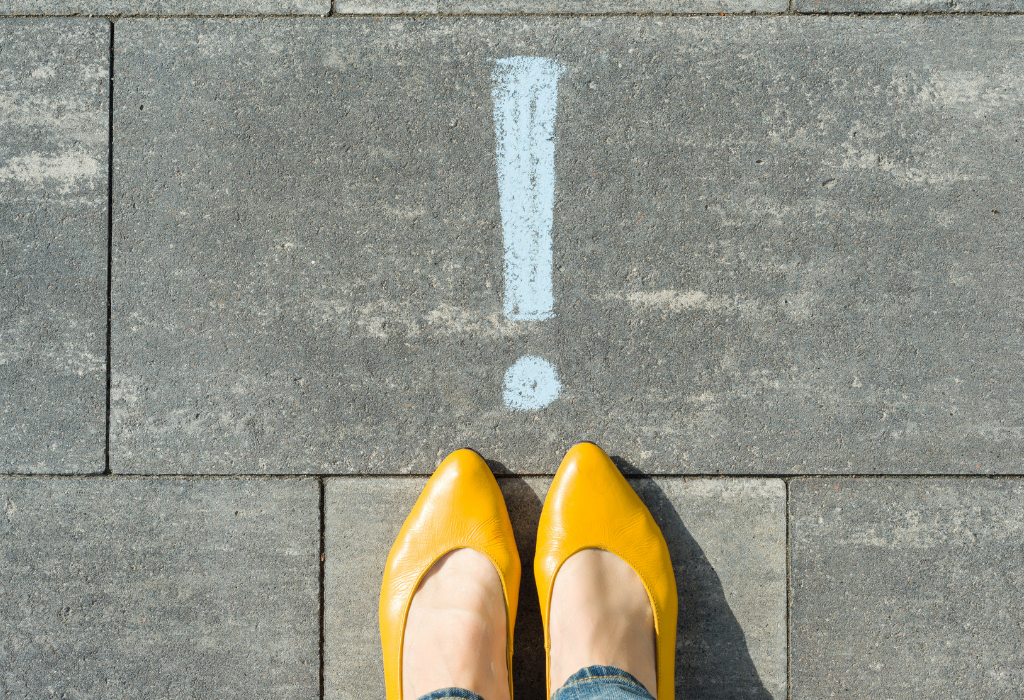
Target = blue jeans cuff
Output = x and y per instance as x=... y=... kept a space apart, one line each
x=451 y=694
x=602 y=682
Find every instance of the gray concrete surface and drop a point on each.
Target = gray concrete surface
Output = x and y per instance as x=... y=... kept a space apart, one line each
x=164 y=7
x=908 y=6
x=54 y=134
x=159 y=588
x=384 y=7
x=907 y=588
x=728 y=545
x=595 y=7
x=760 y=266
x=471 y=7
x=727 y=540
x=611 y=6
x=782 y=245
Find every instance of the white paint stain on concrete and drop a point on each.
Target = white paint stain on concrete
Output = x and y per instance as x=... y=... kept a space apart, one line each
x=385 y=318
x=531 y=383
x=525 y=100
x=676 y=300
x=898 y=168
x=974 y=92
x=998 y=432
x=798 y=305
x=63 y=171
x=67 y=120
x=44 y=71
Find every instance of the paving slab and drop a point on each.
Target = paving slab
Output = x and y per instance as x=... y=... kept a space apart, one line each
x=887 y=6
x=385 y=7
x=592 y=7
x=907 y=588
x=54 y=132
x=728 y=547
x=611 y=6
x=778 y=245
x=164 y=7
x=159 y=588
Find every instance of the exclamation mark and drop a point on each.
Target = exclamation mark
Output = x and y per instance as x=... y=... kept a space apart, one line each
x=525 y=101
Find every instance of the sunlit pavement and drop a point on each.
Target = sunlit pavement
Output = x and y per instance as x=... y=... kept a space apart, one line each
x=259 y=274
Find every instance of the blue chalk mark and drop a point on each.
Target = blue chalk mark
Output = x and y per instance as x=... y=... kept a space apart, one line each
x=531 y=383
x=525 y=100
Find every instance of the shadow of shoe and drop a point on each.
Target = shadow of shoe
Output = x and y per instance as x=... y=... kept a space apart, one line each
x=524 y=498
x=712 y=658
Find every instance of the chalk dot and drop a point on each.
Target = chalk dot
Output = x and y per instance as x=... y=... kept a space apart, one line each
x=531 y=383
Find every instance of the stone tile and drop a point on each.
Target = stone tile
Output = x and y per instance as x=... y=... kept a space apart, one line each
x=169 y=588
x=885 y=6
x=54 y=129
x=384 y=7
x=611 y=6
x=593 y=7
x=730 y=560
x=757 y=267
x=907 y=588
x=728 y=543
x=165 y=7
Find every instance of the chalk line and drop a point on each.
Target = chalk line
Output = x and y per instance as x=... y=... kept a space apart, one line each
x=525 y=100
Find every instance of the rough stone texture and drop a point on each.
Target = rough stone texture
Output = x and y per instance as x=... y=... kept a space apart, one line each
x=54 y=128
x=165 y=7
x=159 y=588
x=591 y=7
x=782 y=245
x=907 y=588
x=611 y=6
x=884 y=6
x=384 y=7
x=729 y=557
x=728 y=543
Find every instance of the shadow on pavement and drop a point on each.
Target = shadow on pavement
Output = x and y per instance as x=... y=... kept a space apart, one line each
x=524 y=506
x=712 y=659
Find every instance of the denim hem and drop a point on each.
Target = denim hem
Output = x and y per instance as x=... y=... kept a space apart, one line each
x=451 y=694
x=604 y=682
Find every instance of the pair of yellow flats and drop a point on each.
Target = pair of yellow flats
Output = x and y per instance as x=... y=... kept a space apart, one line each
x=589 y=506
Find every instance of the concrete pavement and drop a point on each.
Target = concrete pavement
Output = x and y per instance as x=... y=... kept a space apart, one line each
x=923 y=578
x=759 y=266
x=786 y=281
x=127 y=8
x=53 y=282
x=727 y=540
x=173 y=588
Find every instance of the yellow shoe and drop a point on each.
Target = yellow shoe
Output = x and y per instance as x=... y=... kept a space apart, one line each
x=590 y=505
x=461 y=506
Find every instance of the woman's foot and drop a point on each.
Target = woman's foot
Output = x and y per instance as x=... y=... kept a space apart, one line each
x=455 y=632
x=600 y=615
